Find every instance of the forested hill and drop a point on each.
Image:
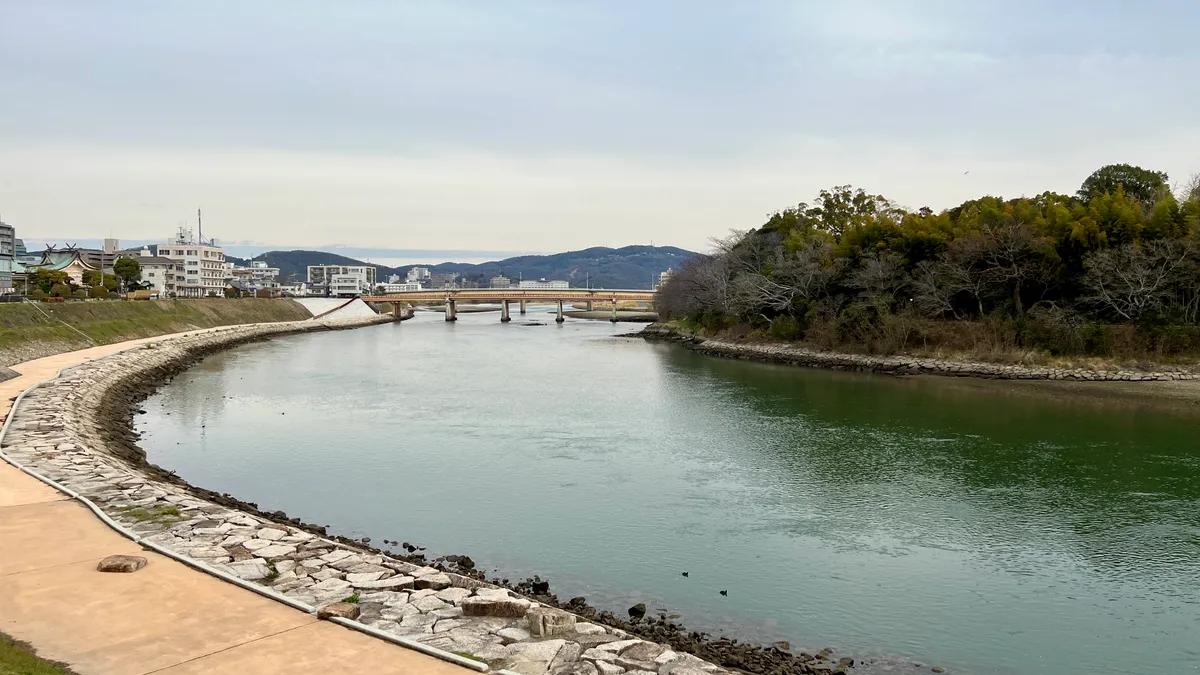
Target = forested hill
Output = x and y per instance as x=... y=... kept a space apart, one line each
x=627 y=267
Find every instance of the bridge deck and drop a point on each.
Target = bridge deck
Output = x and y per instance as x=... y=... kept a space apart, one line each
x=515 y=294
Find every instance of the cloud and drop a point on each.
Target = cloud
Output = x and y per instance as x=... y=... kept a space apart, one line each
x=541 y=125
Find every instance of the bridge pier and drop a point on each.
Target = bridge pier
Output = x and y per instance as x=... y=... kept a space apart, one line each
x=523 y=306
x=589 y=305
x=398 y=310
x=614 y=311
x=560 y=318
x=504 y=317
x=451 y=310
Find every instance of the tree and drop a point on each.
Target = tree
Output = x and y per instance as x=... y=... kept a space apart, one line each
x=128 y=269
x=96 y=278
x=45 y=279
x=99 y=292
x=1135 y=279
x=60 y=291
x=1144 y=185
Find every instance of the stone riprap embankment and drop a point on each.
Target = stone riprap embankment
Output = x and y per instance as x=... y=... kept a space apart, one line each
x=895 y=365
x=75 y=430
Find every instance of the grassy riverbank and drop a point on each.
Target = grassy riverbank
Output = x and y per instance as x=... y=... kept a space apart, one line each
x=17 y=658
x=29 y=331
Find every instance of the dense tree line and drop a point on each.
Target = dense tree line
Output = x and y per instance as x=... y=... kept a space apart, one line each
x=1119 y=260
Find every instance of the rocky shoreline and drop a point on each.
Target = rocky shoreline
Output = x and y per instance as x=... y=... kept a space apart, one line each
x=77 y=431
x=894 y=365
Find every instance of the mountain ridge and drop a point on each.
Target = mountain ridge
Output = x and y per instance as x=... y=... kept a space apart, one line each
x=636 y=266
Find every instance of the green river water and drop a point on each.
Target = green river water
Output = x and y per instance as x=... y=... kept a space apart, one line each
x=901 y=518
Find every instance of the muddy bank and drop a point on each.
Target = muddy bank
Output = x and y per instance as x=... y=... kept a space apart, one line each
x=120 y=400
x=623 y=316
x=792 y=354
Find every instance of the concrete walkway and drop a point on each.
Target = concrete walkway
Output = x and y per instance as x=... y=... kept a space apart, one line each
x=166 y=618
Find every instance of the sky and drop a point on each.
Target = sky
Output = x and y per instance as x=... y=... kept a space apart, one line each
x=549 y=126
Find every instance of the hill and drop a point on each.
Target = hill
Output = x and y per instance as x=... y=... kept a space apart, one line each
x=627 y=267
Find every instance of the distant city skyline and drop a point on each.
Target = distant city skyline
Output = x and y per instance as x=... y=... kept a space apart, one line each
x=540 y=125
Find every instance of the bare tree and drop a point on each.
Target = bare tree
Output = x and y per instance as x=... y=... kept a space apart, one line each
x=1015 y=256
x=1132 y=280
x=934 y=288
x=811 y=269
x=881 y=277
x=1189 y=191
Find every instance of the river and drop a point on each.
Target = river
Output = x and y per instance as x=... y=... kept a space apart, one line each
x=876 y=515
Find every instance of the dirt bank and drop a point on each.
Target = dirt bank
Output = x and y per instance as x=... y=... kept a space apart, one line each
x=32 y=330
x=1169 y=391
x=623 y=316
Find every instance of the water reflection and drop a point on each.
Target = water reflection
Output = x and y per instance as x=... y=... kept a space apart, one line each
x=870 y=513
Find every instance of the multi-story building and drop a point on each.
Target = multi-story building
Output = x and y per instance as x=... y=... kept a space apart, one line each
x=418 y=274
x=446 y=280
x=663 y=277
x=343 y=280
x=8 y=256
x=500 y=281
x=164 y=276
x=258 y=276
x=395 y=287
x=542 y=283
x=204 y=268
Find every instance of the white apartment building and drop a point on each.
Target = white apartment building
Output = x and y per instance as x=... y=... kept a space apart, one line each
x=542 y=283
x=205 y=271
x=418 y=274
x=500 y=281
x=343 y=280
x=163 y=275
x=394 y=287
x=663 y=277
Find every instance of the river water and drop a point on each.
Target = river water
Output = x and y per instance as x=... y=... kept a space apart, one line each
x=876 y=515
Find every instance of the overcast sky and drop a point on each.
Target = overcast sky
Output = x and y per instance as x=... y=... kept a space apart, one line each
x=545 y=126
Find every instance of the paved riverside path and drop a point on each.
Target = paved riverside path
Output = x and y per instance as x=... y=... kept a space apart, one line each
x=166 y=618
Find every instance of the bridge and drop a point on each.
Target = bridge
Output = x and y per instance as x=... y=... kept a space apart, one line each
x=504 y=296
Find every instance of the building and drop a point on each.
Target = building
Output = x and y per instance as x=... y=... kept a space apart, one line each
x=342 y=280
x=257 y=277
x=8 y=256
x=446 y=280
x=542 y=283
x=297 y=290
x=393 y=287
x=418 y=274
x=205 y=271
x=501 y=281
x=163 y=276
x=663 y=277
x=63 y=260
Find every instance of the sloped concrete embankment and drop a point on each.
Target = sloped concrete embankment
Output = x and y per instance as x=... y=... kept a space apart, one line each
x=75 y=430
x=894 y=365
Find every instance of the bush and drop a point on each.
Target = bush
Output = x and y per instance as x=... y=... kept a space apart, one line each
x=1052 y=328
x=80 y=293
x=60 y=291
x=786 y=328
x=37 y=294
x=99 y=292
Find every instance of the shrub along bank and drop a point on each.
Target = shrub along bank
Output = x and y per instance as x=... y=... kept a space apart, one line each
x=33 y=330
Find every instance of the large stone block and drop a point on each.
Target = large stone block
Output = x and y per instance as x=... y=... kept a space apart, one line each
x=121 y=563
x=345 y=610
x=510 y=608
x=548 y=622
